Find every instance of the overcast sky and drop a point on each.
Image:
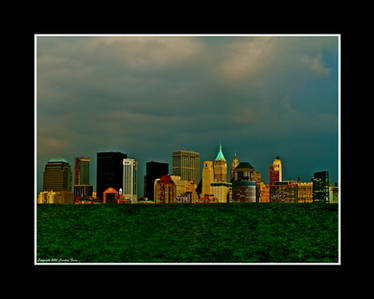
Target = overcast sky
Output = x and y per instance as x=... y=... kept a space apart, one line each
x=147 y=96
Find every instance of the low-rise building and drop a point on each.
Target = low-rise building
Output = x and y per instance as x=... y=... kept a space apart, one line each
x=334 y=194
x=164 y=190
x=243 y=191
x=51 y=197
x=221 y=190
x=283 y=192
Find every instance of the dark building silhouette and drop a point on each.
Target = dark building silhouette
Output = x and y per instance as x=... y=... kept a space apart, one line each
x=109 y=172
x=321 y=186
x=57 y=176
x=154 y=170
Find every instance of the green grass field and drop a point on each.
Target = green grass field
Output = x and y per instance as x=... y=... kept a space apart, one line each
x=188 y=233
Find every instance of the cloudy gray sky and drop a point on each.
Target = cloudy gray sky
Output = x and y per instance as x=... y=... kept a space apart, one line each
x=150 y=95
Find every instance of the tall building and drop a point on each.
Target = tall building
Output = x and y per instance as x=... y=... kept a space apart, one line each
x=130 y=179
x=207 y=177
x=234 y=164
x=165 y=190
x=273 y=175
x=186 y=164
x=82 y=187
x=82 y=171
x=57 y=175
x=154 y=170
x=275 y=171
x=220 y=167
x=277 y=164
x=321 y=186
x=109 y=172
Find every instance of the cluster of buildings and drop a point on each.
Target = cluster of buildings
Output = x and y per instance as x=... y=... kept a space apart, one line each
x=117 y=182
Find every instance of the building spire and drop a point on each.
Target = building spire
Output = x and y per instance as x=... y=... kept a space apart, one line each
x=220 y=155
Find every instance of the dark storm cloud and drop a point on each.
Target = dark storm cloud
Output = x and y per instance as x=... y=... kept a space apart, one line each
x=147 y=96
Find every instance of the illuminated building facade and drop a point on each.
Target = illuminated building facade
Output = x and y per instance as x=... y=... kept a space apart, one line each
x=185 y=190
x=51 y=197
x=264 y=192
x=220 y=167
x=243 y=191
x=234 y=164
x=57 y=175
x=165 y=190
x=277 y=165
x=186 y=164
x=221 y=191
x=110 y=196
x=245 y=171
x=207 y=177
x=304 y=192
x=333 y=194
x=284 y=192
x=321 y=186
x=130 y=179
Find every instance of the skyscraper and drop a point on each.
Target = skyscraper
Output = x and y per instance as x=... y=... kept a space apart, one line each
x=277 y=165
x=186 y=164
x=82 y=171
x=220 y=167
x=235 y=162
x=273 y=175
x=321 y=186
x=207 y=177
x=154 y=170
x=82 y=187
x=130 y=177
x=109 y=172
x=57 y=175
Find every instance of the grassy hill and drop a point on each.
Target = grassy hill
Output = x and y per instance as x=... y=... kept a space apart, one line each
x=185 y=233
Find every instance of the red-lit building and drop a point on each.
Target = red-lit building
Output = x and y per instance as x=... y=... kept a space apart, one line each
x=165 y=190
x=110 y=195
x=274 y=175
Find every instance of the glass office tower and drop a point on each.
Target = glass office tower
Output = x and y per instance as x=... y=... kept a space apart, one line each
x=57 y=175
x=186 y=164
x=109 y=172
x=321 y=186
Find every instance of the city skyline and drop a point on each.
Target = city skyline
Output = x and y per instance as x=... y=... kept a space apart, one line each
x=260 y=97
